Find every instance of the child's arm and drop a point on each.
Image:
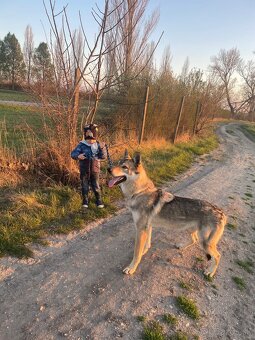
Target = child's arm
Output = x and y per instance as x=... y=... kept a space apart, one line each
x=76 y=152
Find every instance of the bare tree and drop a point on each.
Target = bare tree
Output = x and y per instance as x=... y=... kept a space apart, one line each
x=247 y=72
x=224 y=66
x=28 y=50
x=133 y=51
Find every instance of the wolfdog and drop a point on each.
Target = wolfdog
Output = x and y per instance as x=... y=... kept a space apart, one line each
x=150 y=206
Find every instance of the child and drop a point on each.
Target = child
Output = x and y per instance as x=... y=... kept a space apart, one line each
x=89 y=153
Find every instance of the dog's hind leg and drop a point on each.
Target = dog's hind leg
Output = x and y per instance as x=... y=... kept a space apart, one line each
x=148 y=241
x=210 y=246
x=184 y=246
x=141 y=238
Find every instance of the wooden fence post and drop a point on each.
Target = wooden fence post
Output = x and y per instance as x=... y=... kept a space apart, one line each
x=198 y=110
x=178 y=119
x=144 y=114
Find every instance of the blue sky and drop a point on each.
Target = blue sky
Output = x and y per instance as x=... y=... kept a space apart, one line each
x=197 y=29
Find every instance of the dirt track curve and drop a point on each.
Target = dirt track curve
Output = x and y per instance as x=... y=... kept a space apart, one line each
x=75 y=288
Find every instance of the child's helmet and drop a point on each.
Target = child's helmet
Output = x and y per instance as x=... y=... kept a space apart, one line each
x=90 y=131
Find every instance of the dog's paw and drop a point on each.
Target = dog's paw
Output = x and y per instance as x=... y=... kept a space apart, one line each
x=129 y=270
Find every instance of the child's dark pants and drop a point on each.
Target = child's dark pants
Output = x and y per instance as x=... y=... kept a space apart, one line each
x=89 y=175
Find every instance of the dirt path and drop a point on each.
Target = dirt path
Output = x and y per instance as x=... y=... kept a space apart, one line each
x=19 y=103
x=75 y=289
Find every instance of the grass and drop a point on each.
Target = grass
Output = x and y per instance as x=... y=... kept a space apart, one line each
x=14 y=121
x=199 y=259
x=179 y=336
x=248 y=130
x=164 y=164
x=240 y=283
x=247 y=265
x=153 y=331
x=231 y=226
x=15 y=96
x=188 y=306
x=248 y=194
x=208 y=278
x=170 y=319
x=29 y=216
x=185 y=285
x=141 y=318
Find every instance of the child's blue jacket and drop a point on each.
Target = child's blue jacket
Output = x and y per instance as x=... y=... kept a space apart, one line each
x=93 y=156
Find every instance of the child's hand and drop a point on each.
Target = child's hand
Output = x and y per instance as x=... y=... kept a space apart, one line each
x=81 y=157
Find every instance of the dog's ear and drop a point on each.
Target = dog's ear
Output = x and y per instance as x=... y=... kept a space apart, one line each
x=137 y=159
x=126 y=155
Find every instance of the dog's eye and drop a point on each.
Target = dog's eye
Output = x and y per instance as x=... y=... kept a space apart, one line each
x=124 y=167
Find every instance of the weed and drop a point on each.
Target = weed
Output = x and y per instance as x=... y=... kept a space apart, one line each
x=153 y=331
x=178 y=336
x=246 y=265
x=141 y=318
x=208 y=278
x=199 y=259
x=185 y=285
x=239 y=282
x=248 y=194
x=231 y=226
x=170 y=319
x=188 y=306
x=231 y=198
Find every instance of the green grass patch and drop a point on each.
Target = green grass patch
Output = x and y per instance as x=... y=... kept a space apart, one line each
x=188 y=306
x=249 y=131
x=19 y=96
x=14 y=122
x=179 y=336
x=32 y=215
x=165 y=164
x=141 y=318
x=240 y=283
x=248 y=194
x=247 y=265
x=170 y=319
x=199 y=259
x=208 y=278
x=231 y=226
x=153 y=330
x=185 y=285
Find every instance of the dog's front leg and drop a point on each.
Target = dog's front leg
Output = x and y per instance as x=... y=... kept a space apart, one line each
x=141 y=238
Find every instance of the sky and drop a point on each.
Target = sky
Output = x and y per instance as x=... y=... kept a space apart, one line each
x=196 y=29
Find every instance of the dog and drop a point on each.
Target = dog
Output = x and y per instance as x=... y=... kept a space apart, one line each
x=150 y=205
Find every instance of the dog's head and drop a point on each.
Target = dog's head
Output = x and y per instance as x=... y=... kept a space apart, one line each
x=127 y=168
